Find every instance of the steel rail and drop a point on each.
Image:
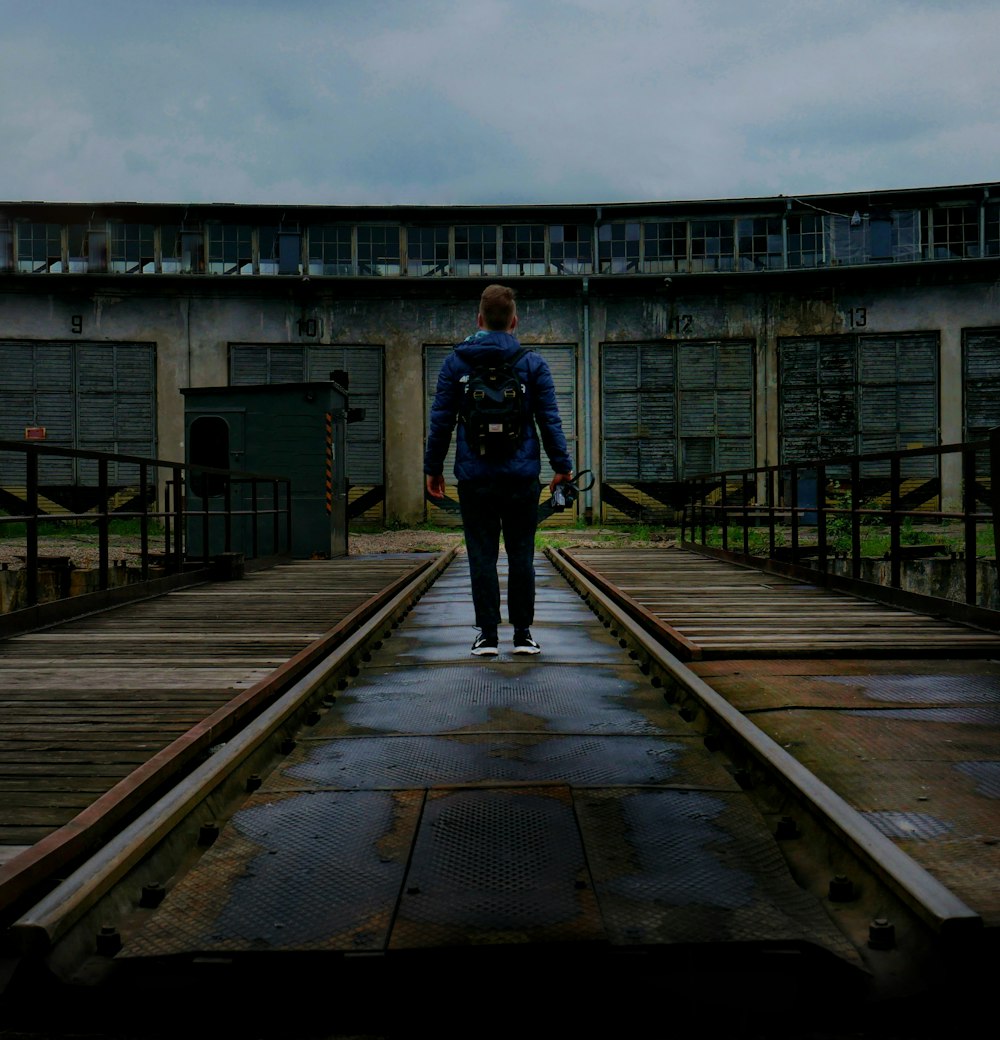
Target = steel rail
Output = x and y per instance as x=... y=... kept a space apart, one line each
x=95 y=824
x=934 y=903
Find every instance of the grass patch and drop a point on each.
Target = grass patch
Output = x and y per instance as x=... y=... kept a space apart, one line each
x=875 y=540
x=83 y=531
x=603 y=537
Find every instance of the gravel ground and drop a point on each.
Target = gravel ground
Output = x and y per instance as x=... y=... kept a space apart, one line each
x=82 y=550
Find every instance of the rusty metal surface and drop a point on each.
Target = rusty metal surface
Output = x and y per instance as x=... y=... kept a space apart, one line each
x=500 y=696
x=318 y=871
x=917 y=754
x=513 y=760
x=497 y=867
x=694 y=866
x=424 y=761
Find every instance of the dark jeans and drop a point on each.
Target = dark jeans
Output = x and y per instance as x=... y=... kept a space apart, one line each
x=489 y=507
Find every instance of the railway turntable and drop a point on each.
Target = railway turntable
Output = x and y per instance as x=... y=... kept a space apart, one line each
x=519 y=840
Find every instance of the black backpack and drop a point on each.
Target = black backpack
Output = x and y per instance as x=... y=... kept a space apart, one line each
x=493 y=407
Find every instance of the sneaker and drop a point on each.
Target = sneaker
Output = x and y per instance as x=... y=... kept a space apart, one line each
x=485 y=645
x=523 y=643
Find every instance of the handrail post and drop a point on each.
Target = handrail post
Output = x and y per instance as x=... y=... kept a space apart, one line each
x=772 y=498
x=746 y=512
x=821 y=517
x=969 y=509
x=31 y=527
x=288 y=514
x=703 y=509
x=895 y=559
x=103 y=522
x=794 y=477
x=255 y=537
x=179 y=534
x=205 y=532
x=276 y=512
x=855 y=519
x=995 y=489
x=725 y=513
x=143 y=523
x=227 y=540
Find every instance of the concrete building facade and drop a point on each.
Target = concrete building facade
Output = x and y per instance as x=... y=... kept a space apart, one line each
x=684 y=337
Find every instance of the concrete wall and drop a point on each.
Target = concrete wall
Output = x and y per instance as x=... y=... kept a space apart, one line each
x=193 y=321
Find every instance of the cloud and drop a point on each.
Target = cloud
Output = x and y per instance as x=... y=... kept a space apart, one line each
x=493 y=100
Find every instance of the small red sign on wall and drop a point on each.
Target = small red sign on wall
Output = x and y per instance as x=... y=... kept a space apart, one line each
x=34 y=433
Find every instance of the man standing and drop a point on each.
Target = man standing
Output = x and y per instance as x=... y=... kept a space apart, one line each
x=498 y=488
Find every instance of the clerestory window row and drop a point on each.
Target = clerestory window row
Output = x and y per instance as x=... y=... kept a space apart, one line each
x=649 y=245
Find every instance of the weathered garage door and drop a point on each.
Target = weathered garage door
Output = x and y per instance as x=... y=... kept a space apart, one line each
x=256 y=363
x=981 y=376
x=669 y=411
x=561 y=358
x=94 y=396
x=849 y=394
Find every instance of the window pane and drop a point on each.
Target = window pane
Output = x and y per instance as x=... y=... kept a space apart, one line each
x=330 y=250
x=427 y=251
x=378 y=249
x=476 y=249
x=523 y=249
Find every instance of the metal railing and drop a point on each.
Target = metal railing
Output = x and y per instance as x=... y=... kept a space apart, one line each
x=212 y=491
x=805 y=503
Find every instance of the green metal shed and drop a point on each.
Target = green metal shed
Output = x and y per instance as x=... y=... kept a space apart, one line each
x=294 y=430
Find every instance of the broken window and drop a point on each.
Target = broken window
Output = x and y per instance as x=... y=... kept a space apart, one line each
x=759 y=242
x=427 y=251
x=523 y=249
x=378 y=249
x=665 y=247
x=330 y=250
x=618 y=247
x=476 y=249
x=39 y=247
x=905 y=234
x=131 y=248
x=278 y=251
x=182 y=250
x=571 y=249
x=170 y=249
x=954 y=232
x=76 y=240
x=712 y=245
x=230 y=249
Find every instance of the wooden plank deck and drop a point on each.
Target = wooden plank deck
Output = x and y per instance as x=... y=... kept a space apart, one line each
x=87 y=702
x=718 y=609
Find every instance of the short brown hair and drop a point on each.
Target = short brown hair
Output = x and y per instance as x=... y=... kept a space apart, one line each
x=497 y=307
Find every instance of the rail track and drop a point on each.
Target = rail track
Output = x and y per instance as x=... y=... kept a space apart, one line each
x=902 y=930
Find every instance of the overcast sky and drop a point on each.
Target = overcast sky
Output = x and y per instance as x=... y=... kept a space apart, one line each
x=480 y=101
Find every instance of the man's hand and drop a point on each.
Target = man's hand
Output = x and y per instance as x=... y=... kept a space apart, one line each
x=559 y=478
x=435 y=485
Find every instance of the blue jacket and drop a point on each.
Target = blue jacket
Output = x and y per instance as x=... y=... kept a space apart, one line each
x=540 y=400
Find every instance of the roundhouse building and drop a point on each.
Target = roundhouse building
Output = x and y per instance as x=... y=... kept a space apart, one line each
x=684 y=337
